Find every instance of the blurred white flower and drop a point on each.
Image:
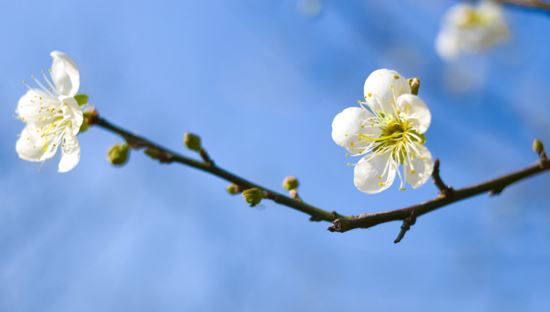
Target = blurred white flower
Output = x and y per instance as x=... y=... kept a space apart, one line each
x=310 y=8
x=471 y=29
x=388 y=128
x=52 y=115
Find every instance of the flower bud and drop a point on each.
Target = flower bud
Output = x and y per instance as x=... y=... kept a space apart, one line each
x=290 y=183
x=118 y=154
x=414 y=83
x=192 y=141
x=81 y=99
x=253 y=196
x=538 y=147
x=233 y=189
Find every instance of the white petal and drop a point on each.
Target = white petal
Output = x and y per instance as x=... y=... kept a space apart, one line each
x=33 y=145
x=348 y=124
x=375 y=173
x=447 y=45
x=458 y=15
x=415 y=111
x=418 y=169
x=382 y=88
x=65 y=74
x=73 y=112
x=70 y=152
x=38 y=107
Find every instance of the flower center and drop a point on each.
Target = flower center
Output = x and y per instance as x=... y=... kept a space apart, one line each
x=394 y=129
x=397 y=137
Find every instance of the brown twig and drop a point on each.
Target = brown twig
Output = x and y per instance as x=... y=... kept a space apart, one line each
x=340 y=223
x=444 y=190
x=528 y=4
x=165 y=155
x=496 y=185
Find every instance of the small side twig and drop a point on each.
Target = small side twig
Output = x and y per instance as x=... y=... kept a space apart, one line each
x=407 y=223
x=444 y=189
x=205 y=157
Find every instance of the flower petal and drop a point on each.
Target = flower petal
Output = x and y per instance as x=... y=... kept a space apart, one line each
x=415 y=111
x=471 y=29
x=70 y=152
x=447 y=44
x=347 y=127
x=34 y=145
x=375 y=173
x=419 y=167
x=65 y=74
x=382 y=88
x=38 y=107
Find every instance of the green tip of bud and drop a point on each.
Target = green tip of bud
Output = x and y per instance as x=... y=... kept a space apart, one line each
x=414 y=83
x=538 y=147
x=290 y=183
x=118 y=154
x=253 y=196
x=192 y=141
x=233 y=189
x=81 y=99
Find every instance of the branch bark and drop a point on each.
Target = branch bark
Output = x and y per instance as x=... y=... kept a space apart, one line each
x=340 y=223
x=528 y=4
x=166 y=155
x=492 y=187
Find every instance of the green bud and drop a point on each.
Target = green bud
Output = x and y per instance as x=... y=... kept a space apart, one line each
x=538 y=147
x=118 y=154
x=253 y=196
x=81 y=99
x=192 y=141
x=233 y=189
x=414 y=83
x=290 y=183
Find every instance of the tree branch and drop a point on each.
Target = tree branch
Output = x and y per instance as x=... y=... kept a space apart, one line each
x=165 y=155
x=528 y=4
x=494 y=186
x=340 y=223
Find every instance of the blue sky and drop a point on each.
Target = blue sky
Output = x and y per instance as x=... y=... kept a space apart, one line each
x=261 y=82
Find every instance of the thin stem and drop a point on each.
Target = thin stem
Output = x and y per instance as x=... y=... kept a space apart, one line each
x=166 y=155
x=340 y=223
x=528 y=4
x=492 y=186
x=444 y=189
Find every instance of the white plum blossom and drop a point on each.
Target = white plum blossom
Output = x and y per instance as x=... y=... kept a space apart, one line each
x=52 y=115
x=471 y=29
x=388 y=129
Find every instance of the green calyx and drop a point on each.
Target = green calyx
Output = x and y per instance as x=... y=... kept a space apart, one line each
x=81 y=99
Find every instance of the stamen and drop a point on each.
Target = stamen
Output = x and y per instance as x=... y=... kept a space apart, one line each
x=42 y=86
x=50 y=84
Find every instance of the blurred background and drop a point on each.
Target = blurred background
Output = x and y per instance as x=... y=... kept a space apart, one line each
x=261 y=81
